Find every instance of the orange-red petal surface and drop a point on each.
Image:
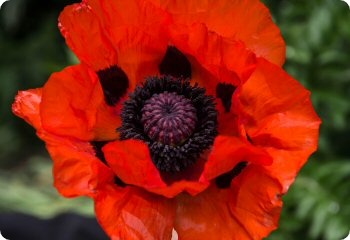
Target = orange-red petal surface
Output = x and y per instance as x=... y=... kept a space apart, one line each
x=256 y=202
x=248 y=210
x=135 y=28
x=207 y=216
x=132 y=214
x=229 y=61
x=227 y=152
x=73 y=105
x=228 y=122
x=131 y=161
x=84 y=35
x=27 y=106
x=278 y=116
x=248 y=21
x=77 y=171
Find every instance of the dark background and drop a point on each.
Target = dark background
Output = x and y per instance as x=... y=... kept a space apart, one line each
x=317 y=33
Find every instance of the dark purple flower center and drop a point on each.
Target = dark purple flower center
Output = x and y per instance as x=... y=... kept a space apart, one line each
x=169 y=118
x=177 y=121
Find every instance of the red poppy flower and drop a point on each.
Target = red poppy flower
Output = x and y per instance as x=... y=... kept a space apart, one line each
x=179 y=116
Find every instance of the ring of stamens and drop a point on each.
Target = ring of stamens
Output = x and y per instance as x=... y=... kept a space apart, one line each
x=176 y=120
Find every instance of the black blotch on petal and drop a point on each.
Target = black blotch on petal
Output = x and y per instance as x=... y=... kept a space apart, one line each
x=224 y=180
x=114 y=83
x=98 y=145
x=224 y=91
x=175 y=63
x=119 y=182
x=249 y=138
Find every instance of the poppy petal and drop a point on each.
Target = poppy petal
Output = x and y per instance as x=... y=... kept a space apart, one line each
x=248 y=21
x=137 y=35
x=256 y=206
x=130 y=213
x=27 y=106
x=245 y=211
x=227 y=152
x=207 y=216
x=227 y=60
x=136 y=168
x=77 y=171
x=278 y=115
x=82 y=31
x=228 y=121
x=73 y=105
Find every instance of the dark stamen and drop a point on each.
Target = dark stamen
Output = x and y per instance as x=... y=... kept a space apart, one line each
x=175 y=63
x=224 y=91
x=224 y=180
x=192 y=126
x=114 y=83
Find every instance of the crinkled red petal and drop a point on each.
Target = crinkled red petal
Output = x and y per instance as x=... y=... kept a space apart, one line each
x=227 y=152
x=73 y=105
x=248 y=21
x=27 y=106
x=136 y=30
x=256 y=201
x=131 y=162
x=228 y=61
x=84 y=35
x=229 y=123
x=248 y=210
x=77 y=171
x=130 y=213
x=278 y=116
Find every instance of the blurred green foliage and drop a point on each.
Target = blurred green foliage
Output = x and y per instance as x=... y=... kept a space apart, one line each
x=29 y=189
x=317 y=34
x=31 y=49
